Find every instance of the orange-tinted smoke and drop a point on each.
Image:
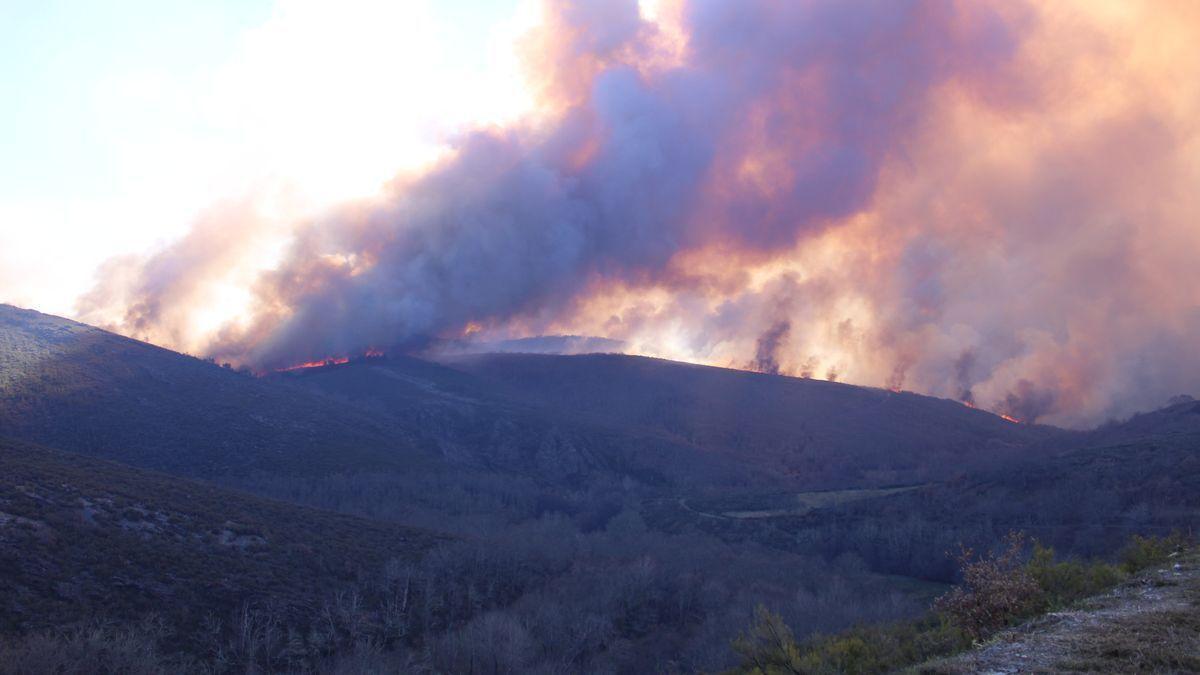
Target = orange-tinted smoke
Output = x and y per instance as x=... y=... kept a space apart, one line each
x=989 y=201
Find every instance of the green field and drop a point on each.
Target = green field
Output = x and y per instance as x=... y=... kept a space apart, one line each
x=818 y=499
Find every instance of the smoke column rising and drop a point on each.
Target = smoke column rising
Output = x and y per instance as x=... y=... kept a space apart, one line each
x=991 y=201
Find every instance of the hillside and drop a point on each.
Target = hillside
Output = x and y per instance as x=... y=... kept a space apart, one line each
x=78 y=388
x=83 y=539
x=813 y=432
x=558 y=418
x=473 y=422
x=666 y=423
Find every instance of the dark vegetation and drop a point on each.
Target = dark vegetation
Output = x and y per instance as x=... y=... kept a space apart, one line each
x=813 y=433
x=82 y=538
x=597 y=513
x=999 y=589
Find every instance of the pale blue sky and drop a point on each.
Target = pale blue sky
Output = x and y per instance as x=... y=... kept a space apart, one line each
x=52 y=55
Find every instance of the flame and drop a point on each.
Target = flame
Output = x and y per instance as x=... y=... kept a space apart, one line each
x=969 y=404
x=332 y=361
x=370 y=353
x=1009 y=418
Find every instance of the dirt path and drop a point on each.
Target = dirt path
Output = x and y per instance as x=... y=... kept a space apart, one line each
x=688 y=507
x=1150 y=624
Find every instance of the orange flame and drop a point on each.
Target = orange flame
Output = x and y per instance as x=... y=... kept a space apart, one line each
x=1009 y=418
x=333 y=361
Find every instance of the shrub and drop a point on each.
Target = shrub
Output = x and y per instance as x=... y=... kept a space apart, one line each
x=769 y=647
x=1062 y=582
x=1143 y=552
x=996 y=589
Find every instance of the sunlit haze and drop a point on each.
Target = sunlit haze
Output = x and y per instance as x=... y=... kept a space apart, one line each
x=124 y=122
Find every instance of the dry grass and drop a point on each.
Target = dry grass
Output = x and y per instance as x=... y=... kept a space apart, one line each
x=1159 y=642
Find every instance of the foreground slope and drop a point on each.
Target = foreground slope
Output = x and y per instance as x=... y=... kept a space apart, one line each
x=86 y=539
x=78 y=388
x=1148 y=624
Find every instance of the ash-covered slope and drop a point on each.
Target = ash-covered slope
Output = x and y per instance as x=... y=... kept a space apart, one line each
x=79 y=388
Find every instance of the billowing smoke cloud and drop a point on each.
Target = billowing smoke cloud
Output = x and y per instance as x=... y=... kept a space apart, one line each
x=992 y=201
x=155 y=298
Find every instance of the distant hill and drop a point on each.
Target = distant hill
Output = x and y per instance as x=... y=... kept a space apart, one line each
x=816 y=432
x=1086 y=497
x=541 y=344
x=560 y=418
x=565 y=417
x=473 y=422
x=78 y=388
x=83 y=538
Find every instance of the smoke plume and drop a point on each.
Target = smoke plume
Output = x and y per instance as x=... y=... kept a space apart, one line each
x=990 y=201
x=769 y=343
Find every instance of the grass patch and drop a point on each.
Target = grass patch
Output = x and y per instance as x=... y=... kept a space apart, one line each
x=759 y=505
x=1151 y=642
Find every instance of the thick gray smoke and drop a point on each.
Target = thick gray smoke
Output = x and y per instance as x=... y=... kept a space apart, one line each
x=990 y=201
x=646 y=163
